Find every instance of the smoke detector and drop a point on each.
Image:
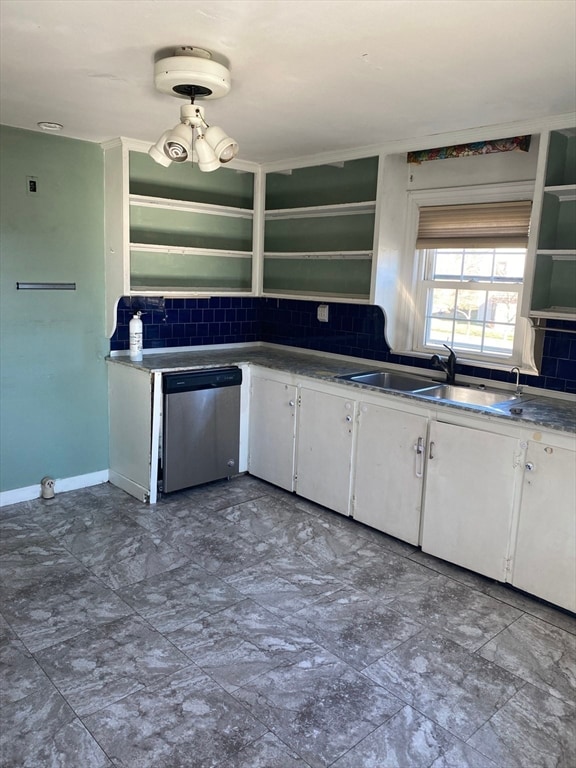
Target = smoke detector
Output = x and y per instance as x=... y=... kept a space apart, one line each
x=192 y=73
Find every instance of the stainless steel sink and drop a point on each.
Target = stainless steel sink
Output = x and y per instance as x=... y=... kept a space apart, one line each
x=431 y=389
x=400 y=382
x=467 y=395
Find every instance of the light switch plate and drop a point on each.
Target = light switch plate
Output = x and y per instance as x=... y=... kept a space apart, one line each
x=322 y=313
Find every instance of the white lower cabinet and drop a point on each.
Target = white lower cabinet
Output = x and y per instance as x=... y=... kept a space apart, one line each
x=545 y=556
x=390 y=454
x=469 y=497
x=496 y=499
x=272 y=431
x=324 y=449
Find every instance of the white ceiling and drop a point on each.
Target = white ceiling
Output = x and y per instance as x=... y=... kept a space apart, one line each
x=308 y=76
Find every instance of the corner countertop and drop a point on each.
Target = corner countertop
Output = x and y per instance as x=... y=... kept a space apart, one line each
x=558 y=414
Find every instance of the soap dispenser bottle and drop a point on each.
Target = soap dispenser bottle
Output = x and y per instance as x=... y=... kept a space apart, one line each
x=136 y=336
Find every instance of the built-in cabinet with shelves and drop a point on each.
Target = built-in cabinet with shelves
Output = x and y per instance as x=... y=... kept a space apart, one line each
x=175 y=231
x=319 y=231
x=552 y=248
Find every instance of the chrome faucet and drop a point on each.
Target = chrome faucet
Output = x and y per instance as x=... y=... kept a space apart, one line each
x=448 y=365
x=516 y=371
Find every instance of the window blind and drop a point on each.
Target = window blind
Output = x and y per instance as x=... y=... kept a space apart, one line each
x=476 y=225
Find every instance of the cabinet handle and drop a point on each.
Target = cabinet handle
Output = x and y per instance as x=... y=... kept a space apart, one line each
x=348 y=419
x=291 y=403
x=419 y=448
x=431 y=453
x=529 y=466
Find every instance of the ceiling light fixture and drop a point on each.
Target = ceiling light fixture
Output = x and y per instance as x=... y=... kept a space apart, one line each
x=192 y=74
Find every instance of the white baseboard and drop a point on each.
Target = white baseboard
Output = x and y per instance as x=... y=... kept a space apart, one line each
x=61 y=485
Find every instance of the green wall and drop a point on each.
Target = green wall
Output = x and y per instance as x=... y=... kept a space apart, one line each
x=53 y=390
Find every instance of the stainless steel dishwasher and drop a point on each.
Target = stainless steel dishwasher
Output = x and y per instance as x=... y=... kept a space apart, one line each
x=200 y=427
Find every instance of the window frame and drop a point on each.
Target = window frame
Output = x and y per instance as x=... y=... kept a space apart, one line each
x=423 y=298
x=414 y=310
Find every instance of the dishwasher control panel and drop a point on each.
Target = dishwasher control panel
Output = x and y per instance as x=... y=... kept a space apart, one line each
x=189 y=381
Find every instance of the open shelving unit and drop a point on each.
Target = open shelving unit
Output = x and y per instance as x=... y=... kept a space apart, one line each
x=189 y=230
x=176 y=231
x=319 y=231
x=553 y=289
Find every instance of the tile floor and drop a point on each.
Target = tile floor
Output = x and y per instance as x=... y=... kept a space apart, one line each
x=237 y=626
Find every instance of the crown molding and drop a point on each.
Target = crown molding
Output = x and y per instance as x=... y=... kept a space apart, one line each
x=399 y=146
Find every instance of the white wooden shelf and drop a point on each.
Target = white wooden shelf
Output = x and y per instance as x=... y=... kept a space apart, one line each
x=361 y=298
x=143 y=201
x=327 y=255
x=153 y=248
x=558 y=254
x=179 y=291
x=565 y=192
x=319 y=211
x=556 y=313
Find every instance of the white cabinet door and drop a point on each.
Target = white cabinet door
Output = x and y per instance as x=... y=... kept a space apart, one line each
x=272 y=431
x=389 y=465
x=324 y=453
x=545 y=556
x=469 y=495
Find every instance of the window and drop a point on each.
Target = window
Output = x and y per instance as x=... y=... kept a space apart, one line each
x=469 y=274
x=471 y=298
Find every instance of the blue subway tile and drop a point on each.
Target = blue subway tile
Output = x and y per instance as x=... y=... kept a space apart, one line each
x=354 y=330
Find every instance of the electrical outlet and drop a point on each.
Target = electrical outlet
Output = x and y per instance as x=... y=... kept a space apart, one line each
x=322 y=313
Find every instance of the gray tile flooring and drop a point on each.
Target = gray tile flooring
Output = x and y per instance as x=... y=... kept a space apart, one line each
x=238 y=626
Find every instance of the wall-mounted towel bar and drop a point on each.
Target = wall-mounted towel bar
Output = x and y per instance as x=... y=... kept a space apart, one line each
x=46 y=286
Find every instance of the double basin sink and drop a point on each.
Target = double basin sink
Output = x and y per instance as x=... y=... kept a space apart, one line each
x=434 y=390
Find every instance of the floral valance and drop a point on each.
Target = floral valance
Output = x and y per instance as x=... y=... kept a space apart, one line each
x=521 y=143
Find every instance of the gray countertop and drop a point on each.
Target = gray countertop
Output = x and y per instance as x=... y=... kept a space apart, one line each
x=542 y=411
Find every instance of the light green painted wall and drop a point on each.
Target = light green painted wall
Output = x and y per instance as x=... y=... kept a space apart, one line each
x=53 y=384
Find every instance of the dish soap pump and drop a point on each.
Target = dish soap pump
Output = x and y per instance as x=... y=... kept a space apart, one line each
x=135 y=332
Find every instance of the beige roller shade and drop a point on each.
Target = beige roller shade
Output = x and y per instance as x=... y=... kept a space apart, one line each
x=477 y=225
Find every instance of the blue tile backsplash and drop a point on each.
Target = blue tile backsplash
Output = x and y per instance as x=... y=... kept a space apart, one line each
x=354 y=330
